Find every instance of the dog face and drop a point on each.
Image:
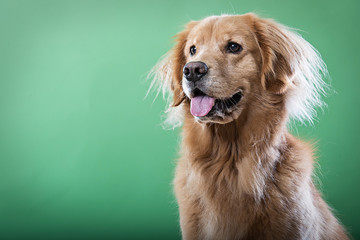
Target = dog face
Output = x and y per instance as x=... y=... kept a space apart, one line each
x=222 y=60
x=223 y=65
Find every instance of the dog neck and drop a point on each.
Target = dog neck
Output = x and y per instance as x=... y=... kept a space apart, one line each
x=248 y=148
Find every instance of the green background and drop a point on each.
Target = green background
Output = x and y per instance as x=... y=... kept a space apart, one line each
x=83 y=155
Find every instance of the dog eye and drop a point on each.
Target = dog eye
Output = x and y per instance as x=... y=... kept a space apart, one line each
x=233 y=47
x=192 y=50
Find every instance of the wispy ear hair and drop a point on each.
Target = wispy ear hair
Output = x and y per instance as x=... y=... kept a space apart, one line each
x=293 y=65
x=167 y=78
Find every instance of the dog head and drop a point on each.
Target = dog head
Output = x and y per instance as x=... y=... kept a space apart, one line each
x=223 y=65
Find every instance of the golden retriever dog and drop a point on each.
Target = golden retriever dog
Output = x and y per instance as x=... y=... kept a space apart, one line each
x=235 y=82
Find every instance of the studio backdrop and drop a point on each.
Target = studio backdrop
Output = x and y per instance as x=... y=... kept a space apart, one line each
x=84 y=156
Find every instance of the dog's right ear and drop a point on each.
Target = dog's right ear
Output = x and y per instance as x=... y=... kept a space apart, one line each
x=170 y=69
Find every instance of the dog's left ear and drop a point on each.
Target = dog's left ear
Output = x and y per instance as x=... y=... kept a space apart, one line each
x=278 y=51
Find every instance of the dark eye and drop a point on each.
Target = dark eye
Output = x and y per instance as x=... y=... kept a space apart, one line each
x=234 y=47
x=192 y=50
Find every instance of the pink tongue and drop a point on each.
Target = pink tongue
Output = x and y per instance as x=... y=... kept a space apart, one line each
x=201 y=105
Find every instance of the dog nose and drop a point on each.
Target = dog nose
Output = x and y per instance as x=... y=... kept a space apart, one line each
x=194 y=71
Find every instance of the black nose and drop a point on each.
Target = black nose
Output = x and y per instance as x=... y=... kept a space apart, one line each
x=194 y=71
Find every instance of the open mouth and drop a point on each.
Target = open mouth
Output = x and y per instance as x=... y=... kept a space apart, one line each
x=204 y=105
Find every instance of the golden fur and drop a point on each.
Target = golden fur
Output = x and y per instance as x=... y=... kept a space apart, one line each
x=241 y=174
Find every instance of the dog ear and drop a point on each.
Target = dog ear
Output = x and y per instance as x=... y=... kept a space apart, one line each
x=178 y=61
x=279 y=53
x=170 y=69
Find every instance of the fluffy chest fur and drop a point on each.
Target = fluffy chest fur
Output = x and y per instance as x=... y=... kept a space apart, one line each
x=233 y=193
